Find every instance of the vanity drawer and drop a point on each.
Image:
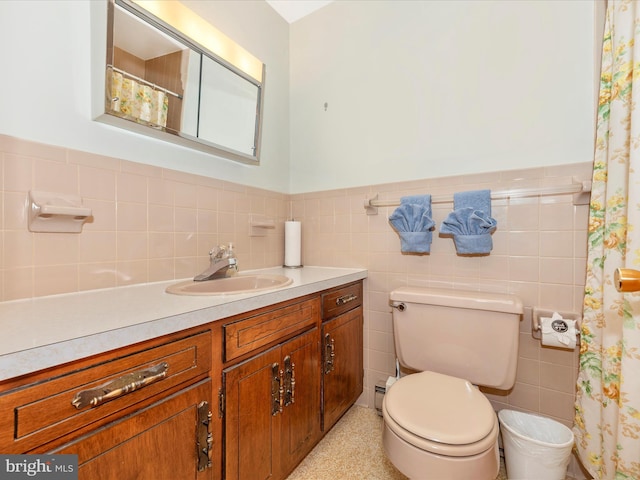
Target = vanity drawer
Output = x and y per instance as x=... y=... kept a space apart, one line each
x=251 y=333
x=340 y=300
x=38 y=413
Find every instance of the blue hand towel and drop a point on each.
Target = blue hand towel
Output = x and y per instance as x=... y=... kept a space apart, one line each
x=412 y=220
x=470 y=223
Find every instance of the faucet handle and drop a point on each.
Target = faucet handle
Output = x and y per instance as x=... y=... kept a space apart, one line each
x=218 y=252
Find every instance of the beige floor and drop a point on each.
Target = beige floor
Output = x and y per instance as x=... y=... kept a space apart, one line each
x=352 y=450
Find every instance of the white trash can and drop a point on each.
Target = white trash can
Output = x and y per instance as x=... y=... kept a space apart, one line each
x=535 y=447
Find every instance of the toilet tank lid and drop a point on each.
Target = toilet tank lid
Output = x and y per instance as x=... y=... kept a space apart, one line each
x=495 y=302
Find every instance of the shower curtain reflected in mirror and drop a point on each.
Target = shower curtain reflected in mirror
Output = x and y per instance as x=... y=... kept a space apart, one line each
x=138 y=102
x=607 y=421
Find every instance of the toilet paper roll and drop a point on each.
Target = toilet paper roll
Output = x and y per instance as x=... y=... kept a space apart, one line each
x=558 y=332
x=292 y=243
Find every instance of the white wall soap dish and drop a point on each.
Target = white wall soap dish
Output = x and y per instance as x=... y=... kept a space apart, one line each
x=56 y=212
x=260 y=224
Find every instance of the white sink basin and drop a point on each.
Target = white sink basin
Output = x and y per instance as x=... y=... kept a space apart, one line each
x=230 y=285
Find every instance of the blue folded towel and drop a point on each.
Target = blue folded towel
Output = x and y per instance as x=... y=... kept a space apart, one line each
x=470 y=223
x=412 y=220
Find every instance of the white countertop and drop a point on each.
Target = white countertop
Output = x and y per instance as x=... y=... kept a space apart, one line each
x=47 y=331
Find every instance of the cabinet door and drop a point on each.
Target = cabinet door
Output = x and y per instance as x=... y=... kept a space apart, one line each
x=301 y=411
x=155 y=443
x=342 y=364
x=272 y=410
x=252 y=421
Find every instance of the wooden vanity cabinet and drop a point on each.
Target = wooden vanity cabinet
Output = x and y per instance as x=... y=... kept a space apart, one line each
x=272 y=399
x=140 y=412
x=156 y=443
x=342 y=347
x=291 y=371
x=243 y=398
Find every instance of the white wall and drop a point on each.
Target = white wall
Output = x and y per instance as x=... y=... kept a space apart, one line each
x=47 y=52
x=424 y=89
x=415 y=89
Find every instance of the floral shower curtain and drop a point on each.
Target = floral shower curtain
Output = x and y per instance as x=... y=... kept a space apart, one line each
x=607 y=421
x=138 y=102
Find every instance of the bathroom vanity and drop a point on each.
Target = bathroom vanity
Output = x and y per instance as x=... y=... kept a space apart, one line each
x=241 y=387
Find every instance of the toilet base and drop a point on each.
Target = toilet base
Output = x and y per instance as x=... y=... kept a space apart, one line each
x=422 y=465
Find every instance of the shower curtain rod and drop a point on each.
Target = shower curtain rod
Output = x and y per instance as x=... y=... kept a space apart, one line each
x=142 y=80
x=583 y=187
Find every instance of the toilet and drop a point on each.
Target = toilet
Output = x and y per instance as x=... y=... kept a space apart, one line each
x=437 y=423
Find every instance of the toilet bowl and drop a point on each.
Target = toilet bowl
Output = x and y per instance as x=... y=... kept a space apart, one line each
x=440 y=427
x=437 y=424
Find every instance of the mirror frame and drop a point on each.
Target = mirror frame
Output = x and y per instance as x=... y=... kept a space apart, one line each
x=170 y=135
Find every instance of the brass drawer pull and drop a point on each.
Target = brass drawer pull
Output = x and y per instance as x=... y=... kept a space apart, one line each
x=346 y=299
x=121 y=386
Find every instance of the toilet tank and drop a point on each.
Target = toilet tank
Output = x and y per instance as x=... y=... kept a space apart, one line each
x=470 y=335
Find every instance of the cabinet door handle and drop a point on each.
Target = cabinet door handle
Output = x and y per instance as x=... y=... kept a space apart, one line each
x=281 y=391
x=204 y=438
x=329 y=353
x=119 y=387
x=346 y=299
x=277 y=389
x=289 y=381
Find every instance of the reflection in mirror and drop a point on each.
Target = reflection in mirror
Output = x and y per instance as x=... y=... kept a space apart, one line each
x=165 y=84
x=233 y=120
x=145 y=79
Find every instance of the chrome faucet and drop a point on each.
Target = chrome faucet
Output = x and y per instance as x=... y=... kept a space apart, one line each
x=223 y=263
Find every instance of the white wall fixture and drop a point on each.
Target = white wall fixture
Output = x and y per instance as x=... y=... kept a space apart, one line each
x=556 y=329
x=56 y=212
x=260 y=224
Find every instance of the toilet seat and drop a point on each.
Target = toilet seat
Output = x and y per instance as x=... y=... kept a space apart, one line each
x=441 y=414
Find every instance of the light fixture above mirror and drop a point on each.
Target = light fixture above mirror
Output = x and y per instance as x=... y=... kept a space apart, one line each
x=182 y=19
x=173 y=76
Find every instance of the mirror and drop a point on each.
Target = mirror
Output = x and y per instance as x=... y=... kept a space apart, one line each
x=163 y=83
